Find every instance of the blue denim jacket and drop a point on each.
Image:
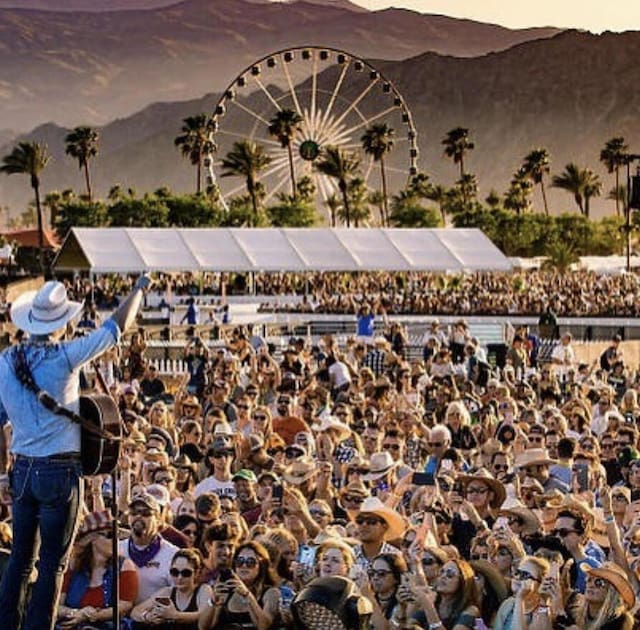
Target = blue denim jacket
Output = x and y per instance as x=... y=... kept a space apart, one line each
x=37 y=432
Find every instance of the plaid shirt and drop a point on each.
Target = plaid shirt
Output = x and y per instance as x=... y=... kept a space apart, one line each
x=376 y=360
x=363 y=562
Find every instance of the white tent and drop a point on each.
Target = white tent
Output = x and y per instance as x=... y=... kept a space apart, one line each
x=131 y=250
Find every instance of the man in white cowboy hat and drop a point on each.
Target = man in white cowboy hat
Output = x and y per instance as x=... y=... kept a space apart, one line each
x=376 y=524
x=46 y=477
x=535 y=462
x=382 y=473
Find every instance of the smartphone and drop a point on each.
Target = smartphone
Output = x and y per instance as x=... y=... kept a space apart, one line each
x=276 y=493
x=423 y=479
x=164 y=601
x=226 y=575
x=581 y=472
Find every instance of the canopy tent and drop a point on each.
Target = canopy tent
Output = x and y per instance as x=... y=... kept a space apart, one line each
x=131 y=250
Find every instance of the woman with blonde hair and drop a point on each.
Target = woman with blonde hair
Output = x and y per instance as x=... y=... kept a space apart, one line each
x=458 y=422
x=518 y=611
x=608 y=600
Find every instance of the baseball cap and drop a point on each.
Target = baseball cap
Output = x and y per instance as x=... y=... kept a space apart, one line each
x=246 y=474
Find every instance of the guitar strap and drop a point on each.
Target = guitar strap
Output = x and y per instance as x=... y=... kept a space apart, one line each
x=24 y=375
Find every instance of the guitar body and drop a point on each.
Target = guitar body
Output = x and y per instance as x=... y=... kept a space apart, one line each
x=100 y=455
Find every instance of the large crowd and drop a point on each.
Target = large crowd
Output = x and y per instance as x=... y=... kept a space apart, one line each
x=579 y=293
x=345 y=487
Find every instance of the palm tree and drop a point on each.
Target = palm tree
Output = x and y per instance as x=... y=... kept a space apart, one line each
x=247 y=159
x=82 y=144
x=195 y=142
x=284 y=126
x=30 y=158
x=517 y=196
x=613 y=156
x=583 y=183
x=456 y=145
x=340 y=165
x=333 y=204
x=376 y=142
x=536 y=166
x=376 y=198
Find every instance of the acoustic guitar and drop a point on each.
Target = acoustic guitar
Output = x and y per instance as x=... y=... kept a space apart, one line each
x=100 y=453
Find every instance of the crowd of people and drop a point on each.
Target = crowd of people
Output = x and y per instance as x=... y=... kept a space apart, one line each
x=346 y=487
x=578 y=293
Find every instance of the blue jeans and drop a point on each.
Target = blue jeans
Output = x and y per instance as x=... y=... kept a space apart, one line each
x=47 y=494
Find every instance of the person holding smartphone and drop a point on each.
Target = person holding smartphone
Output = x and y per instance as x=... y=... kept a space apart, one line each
x=177 y=607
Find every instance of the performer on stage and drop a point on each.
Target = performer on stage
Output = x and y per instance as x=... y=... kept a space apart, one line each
x=46 y=476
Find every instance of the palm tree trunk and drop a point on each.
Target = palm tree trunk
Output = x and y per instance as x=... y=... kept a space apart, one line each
x=199 y=177
x=544 y=197
x=461 y=166
x=87 y=180
x=292 y=172
x=385 y=201
x=345 y=201
x=36 y=188
x=254 y=203
x=617 y=188
x=578 y=199
x=586 y=206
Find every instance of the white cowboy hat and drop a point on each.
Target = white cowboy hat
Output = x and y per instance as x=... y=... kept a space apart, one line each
x=395 y=523
x=299 y=471
x=44 y=311
x=332 y=423
x=381 y=464
x=533 y=457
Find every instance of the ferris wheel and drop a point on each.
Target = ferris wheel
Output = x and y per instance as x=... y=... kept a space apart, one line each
x=337 y=97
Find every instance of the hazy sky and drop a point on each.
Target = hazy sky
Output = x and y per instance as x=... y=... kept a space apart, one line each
x=594 y=15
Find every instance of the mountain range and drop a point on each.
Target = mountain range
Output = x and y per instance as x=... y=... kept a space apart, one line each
x=569 y=94
x=75 y=67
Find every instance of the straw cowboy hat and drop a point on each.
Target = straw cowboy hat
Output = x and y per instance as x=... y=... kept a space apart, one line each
x=300 y=471
x=44 y=311
x=534 y=457
x=395 y=523
x=381 y=464
x=531 y=522
x=355 y=489
x=331 y=423
x=483 y=475
x=613 y=574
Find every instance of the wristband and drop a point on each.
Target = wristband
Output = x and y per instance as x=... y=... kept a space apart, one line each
x=435 y=626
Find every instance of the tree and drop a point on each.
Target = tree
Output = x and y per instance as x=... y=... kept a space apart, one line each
x=74 y=212
x=53 y=200
x=493 y=199
x=376 y=198
x=359 y=201
x=377 y=141
x=82 y=144
x=407 y=211
x=560 y=256
x=517 y=197
x=456 y=145
x=247 y=159
x=583 y=183
x=333 y=205
x=284 y=126
x=341 y=165
x=613 y=156
x=195 y=142
x=536 y=166
x=149 y=211
x=291 y=211
x=30 y=158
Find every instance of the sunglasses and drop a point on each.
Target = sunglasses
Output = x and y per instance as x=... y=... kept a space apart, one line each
x=599 y=582
x=477 y=491
x=429 y=562
x=392 y=447
x=563 y=532
x=501 y=467
x=519 y=574
x=349 y=498
x=449 y=573
x=164 y=480
x=292 y=453
x=260 y=417
x=250 y=563
x=369 y=520
x=243 y=406
x=284 y=402
x=141 y=512
x=221 y=454
x=190 y=532
x=185 y=573
x=378 y=573
x=316 y=512
x=479 y=556
x=435 y=444
x=274 y=451
x=503 y=552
